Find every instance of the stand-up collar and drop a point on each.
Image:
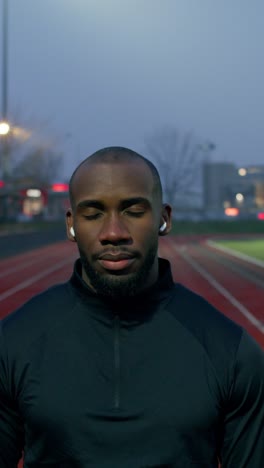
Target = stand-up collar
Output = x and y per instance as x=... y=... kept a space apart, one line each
x=133 y=309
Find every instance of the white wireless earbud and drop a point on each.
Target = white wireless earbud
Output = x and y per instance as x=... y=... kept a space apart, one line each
x=163 y=227
x=72 y=232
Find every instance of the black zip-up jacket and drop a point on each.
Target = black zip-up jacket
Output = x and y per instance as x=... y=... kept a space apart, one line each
x=161 y=380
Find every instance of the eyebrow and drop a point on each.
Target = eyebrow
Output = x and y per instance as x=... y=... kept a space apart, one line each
x=124 y=203
x=91 y=204
x=135 y=201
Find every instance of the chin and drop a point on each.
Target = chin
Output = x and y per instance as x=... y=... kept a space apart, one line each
x=117 y=286
x=121 y=283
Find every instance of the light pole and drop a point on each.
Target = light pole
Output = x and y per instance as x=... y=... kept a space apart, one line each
x=207 y=148
x=4 y=125
x=5 y=61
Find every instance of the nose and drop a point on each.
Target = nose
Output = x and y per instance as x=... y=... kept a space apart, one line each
x=114 y=231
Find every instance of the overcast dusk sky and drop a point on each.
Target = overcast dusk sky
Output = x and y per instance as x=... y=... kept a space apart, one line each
x=109 y=72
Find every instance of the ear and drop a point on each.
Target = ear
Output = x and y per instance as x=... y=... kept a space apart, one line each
x=69 y=225
x=166 y=220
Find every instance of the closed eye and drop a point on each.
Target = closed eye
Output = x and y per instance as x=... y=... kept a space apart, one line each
x=135 y=213
x=92 y=216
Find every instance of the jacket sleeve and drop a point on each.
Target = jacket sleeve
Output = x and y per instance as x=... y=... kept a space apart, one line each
x=11 y=426
x=243 y=443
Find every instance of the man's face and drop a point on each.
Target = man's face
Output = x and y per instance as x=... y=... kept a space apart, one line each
x=116 y=217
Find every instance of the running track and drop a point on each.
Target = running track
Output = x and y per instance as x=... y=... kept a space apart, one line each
x=233 y=285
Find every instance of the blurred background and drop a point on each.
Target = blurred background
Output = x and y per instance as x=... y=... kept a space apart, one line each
x=179 y=81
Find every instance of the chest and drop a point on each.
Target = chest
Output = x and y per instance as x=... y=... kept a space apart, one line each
x=113 y=387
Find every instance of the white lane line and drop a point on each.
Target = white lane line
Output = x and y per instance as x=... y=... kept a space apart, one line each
x=18 y=267
x=35 y=278
x=22 y=265
x=235 y=253
x=242 y=309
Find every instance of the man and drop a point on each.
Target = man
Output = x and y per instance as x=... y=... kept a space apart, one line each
x=120 y=367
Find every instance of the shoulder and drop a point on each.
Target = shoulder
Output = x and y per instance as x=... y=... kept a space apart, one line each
x=197 y=314
x=33 y=317
x=249 y=366
x=238 y=360
x=25 y=333
x=219 y=336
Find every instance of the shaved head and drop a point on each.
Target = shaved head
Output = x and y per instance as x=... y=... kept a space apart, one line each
x=114 y=155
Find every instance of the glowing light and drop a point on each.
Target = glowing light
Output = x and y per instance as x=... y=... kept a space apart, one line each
x=2 y=184
x=261 y=216
x=232 y=212
x=242 y=172
x=21 y=133
x=4 y=128
x=60 y=187
x=33 y=193
x=240 y=197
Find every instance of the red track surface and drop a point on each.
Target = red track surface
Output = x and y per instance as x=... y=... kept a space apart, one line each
x=227 y=290
x=241 y=299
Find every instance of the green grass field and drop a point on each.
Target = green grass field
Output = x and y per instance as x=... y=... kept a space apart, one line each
x=252 y=247
x=217 y=227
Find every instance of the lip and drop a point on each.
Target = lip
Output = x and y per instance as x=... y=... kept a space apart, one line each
x=115 y=257
x=119 y=261
x=116 y=264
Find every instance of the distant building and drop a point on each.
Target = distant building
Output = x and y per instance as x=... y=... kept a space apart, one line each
x=217 y=177
x=227 y=186
x=33 y=202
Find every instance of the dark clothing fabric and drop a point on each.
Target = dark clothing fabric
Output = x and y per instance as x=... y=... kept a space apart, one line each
x=159 y=380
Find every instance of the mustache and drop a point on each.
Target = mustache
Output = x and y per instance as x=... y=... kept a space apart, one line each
x=116 y=251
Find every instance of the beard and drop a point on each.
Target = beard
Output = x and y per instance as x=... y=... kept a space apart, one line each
x=118 y=286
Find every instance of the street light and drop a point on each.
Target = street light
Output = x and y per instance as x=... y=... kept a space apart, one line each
x=4 y=128
x=207 y=148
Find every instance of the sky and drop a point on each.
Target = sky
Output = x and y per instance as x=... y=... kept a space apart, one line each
x=95 y=73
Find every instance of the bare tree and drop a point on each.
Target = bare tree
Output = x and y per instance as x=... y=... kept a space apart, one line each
x=178 y=157
x=40 y=166
x=30 y=154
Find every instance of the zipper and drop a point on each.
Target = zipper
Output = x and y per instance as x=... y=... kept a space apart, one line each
x=117 y=362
